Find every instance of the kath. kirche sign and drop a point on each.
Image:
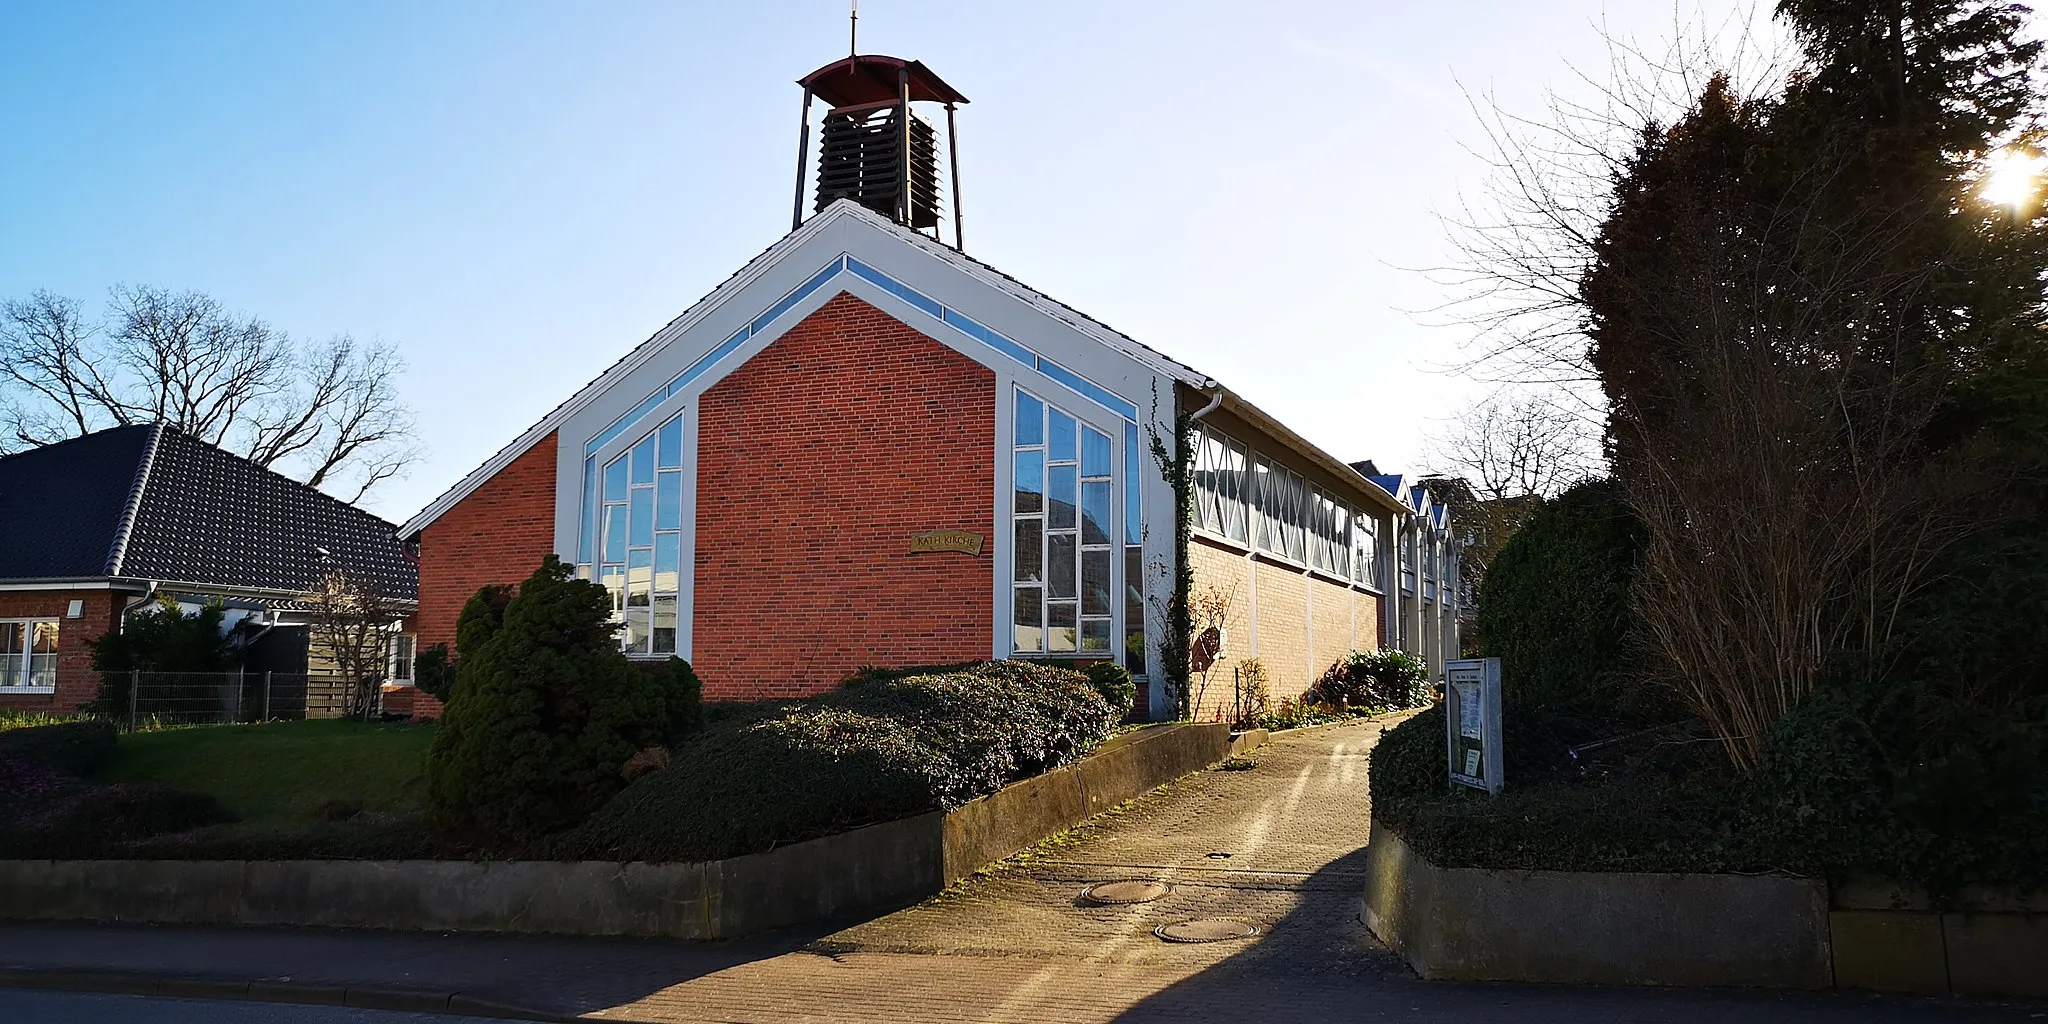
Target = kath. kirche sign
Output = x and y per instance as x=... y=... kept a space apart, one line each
x=964 y=541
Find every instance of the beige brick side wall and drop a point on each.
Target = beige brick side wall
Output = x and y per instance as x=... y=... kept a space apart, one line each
x=1331 y=638
x=1227 y=573
x=1283 y=630
x=1296 y=624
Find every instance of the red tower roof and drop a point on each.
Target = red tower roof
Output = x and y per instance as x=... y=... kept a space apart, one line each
x=868 y=79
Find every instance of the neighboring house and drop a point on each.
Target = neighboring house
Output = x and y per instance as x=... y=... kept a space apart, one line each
x=100 y=525
x=867 y=448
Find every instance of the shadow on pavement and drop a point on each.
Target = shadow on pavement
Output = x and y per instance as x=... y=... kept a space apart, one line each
x=1320 y=964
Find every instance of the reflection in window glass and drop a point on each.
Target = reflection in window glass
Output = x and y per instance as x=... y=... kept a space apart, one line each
x=1094 y=454
x=1066 y=527
x=1095 y=512
x=1030 y=620
x=668 y=502
x=643 y=461
x=1030 y=553
x=640 y=540
x=1060 y=550
x=672 y=443
x=1060 y=632
x=1061 y=497
x=1030 y=428
x=1060 y=434
x=1030 y=482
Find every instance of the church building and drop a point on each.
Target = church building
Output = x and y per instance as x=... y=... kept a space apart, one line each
x=866 y=448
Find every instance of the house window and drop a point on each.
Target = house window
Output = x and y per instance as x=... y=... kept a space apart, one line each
x=1220 y=484
x=28 y=654
x=1407 y=545
x=1064 y=534
x=639 y=500
x=402 y=646
x=1329 y=533
x=1280 y=497
x=1365 y=549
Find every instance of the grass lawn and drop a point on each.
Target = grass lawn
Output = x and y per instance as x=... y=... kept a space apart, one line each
x=275 y=774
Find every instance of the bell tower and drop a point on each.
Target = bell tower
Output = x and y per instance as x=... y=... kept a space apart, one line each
x=873 y=147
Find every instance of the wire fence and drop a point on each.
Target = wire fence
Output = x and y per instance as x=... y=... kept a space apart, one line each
x=140 y=700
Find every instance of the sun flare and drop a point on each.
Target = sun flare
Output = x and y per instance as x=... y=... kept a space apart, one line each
x=2011 y=178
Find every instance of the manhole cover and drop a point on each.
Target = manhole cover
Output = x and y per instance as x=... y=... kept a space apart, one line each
x=1205 y=929
x=1130 y=891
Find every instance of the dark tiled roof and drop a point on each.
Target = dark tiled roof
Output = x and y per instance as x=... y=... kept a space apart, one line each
x=62 y=505
x=203 y=516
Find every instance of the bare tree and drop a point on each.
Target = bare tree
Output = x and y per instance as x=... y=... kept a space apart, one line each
x=1517 y=446
x=328 y=412
x=354 y=626
x=1526 y=237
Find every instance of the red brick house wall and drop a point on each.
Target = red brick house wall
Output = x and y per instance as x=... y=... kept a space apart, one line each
x=498 y=534
x=77 y=683
x=817 y=461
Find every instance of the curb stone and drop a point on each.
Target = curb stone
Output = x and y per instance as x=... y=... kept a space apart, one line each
x=369 y=997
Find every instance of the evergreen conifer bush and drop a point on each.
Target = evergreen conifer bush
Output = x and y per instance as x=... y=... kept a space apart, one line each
x=1554 y=607
x=545 y=712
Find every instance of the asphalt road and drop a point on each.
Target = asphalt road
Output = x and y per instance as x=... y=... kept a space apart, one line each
x=21 y=1006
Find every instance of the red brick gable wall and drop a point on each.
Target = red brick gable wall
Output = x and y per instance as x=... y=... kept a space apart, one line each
x=498 y=534
x=816 y=462
x=77 y=683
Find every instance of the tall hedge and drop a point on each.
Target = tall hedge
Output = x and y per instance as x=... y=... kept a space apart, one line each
x=1554 y=607
x=544 y=714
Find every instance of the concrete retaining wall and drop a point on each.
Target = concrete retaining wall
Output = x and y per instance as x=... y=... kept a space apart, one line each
x=1596 y=928
x=1892 y=939
x=881 y=866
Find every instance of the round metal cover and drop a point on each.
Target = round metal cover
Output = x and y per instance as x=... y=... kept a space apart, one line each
x=1127 y=891
x=1205 y=929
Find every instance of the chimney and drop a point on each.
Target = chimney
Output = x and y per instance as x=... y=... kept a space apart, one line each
x=874 y=148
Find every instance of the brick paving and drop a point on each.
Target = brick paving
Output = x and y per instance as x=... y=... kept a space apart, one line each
x=1018 y=944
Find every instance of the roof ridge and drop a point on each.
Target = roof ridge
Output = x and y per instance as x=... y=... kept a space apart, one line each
x=119 y=551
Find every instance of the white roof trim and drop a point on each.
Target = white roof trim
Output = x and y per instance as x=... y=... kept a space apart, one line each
x=755 y=268
x=631 y=361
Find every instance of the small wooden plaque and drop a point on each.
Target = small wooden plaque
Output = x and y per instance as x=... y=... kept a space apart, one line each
x=946 y=540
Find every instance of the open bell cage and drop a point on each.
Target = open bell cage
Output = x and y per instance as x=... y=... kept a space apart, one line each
x=873 y=148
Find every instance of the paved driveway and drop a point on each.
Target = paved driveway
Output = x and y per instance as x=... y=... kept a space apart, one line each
x=1280 y=847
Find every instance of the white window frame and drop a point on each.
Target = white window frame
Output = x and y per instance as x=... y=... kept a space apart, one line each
x=411 y=644
x=27 y=654
x=1112 y=548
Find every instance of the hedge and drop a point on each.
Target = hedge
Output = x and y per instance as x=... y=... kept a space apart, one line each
x=886 y=746
x=1826 y=804
x=1554 y=606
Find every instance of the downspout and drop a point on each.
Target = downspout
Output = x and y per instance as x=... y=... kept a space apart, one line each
x=1215 y=402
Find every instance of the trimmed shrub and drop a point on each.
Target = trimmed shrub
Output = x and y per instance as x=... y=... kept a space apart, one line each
x=1554 y=607
x=1114 y=683
x=1377 y=680
x=73 y=748
x=682 y=693
x=433 y=671
x=545 y=713
x=879 y=749
x=92 y=821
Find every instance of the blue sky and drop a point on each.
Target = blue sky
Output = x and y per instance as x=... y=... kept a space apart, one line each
x=515 y=194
